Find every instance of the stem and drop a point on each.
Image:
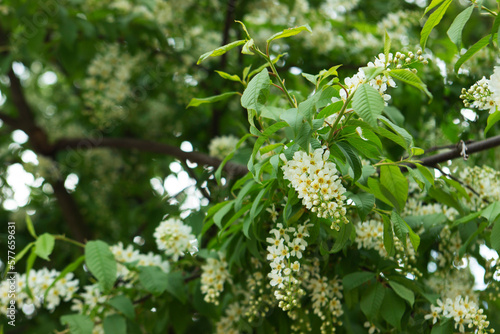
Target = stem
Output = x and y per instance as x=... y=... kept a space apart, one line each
x=71 y=241
x=280 y=81
x=341 y=113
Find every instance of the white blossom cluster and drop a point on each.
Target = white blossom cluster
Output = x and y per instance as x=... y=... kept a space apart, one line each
x=484 y=94
x=451 y=283
x=370 y=235
x=38 y=282
x=449 y=246
x=214 y=275
x=284 y=252
x=465 y=313
x=107 y=87
x=485 y=181
x=129 y=255
x=383 y=81
x=175 y=238
x=228 y=324
x=316 y=181
x=415 y=207
x=398 y=23
x=221 y=147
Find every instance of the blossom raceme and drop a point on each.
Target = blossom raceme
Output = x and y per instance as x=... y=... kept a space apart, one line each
x=316 y=181
x=214 y=275
x=175 y=238
x=220 y=147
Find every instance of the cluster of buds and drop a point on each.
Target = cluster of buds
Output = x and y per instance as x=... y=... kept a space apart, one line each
x=404 y=59
x=478 y=96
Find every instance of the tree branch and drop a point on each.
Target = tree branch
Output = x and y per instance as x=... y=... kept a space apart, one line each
x=474 y=147
x=148 y=146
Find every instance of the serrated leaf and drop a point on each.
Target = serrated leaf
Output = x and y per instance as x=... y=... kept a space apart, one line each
x=433 y=21
x=195 y=102
x=220 y=51
x=368 y=104
x=407 y=76
x=153 y=279
x=114 y=323
x=353 y=280
x=123 y=304
x=403 y=292
x=78 y=323
x=492 y=120
x=456 y=28
x=257 y=91
x=472 y=51
x=289 y=32
x=401 y=132
x=371 y=301
x=342 y=238
x=44 y=246
x=395 y=182
x=101 y=263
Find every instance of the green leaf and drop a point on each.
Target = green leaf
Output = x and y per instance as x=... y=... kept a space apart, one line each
x=491 y=212
x=371 y=301
x=114 y=324
x=29 y=265
x=101 y=263
x=176 y=287
x=433 y=4
x=246 y=50
x=364 y=203
x=495 y=236
x=289 y=32
x=68 y=269
x=407 y=76
x=222 y=212
x=352 y=158
x=396 y=184
x=492 y=120
x=220 y=51
x=44 y=246
x=392 y=309
x=403 y=292
x=433 y=21
x=78 y=323
x=31 y=228
x=394 y=115
x=472 y=51
x=368 y=104
x=153 y=279
x=255 y=95
x=400 y=227
x=387 y=45
x=353 y=280
x=227 y=76
x=342 y=238
x=123 y=304
x=401 y=132
x=197 y=101
x=456 y=28
x=466 y=219
x=388 y=236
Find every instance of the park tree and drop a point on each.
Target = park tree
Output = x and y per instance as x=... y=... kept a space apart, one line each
x=257 y=166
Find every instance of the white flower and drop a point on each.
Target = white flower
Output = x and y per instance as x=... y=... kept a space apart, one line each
x=175 y=238
x=220 y=147
x=214 y=275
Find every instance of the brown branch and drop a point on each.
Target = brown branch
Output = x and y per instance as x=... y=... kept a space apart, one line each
x=148 y=146
x=474 y=147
